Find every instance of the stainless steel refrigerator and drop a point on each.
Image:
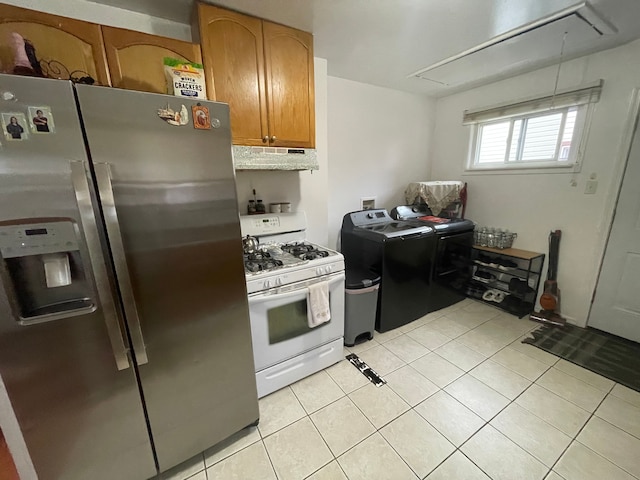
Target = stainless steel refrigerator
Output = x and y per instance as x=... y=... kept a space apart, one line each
x=125 y=344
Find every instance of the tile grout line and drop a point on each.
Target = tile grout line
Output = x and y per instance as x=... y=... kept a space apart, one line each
x=376 y=429
x=584 y=381
x=204 y=462
x=317 y=430
x=457 y=448
x=405 y=363
x=398 y=453
x=541 y=386
x=498 y=413
x=477 y=466
x=442 y=389
x=575 y=438
x=269 y=457
x=614 y=425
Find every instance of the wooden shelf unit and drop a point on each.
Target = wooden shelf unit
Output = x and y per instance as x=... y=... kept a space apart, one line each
x=512 y=271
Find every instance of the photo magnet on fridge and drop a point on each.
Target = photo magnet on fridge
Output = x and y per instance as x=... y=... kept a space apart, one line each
x=14 y=126
x=172 y=117
x=41 y=120
x=201 y=119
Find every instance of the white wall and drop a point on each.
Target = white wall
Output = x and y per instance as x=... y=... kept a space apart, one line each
x=379 y=141
x=306 y=190
x=107 y=15
x=534 y=204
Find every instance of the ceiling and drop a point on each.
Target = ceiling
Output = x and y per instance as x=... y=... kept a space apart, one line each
x=381 y=42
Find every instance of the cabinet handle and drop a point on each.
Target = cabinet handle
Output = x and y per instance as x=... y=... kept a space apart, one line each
x=265 y=139
x=273 y=139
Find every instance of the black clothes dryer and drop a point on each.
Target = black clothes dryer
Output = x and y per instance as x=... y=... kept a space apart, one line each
x=400 y=253
x=452 y=256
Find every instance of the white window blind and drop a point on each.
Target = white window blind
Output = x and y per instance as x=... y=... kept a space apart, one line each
x=537 y=133
x=580 y=96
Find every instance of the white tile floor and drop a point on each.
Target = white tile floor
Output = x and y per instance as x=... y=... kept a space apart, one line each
x=464 y=399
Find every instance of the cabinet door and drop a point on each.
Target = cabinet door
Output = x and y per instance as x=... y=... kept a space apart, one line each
x=290 y=89
x=232 y=50
x=57 y=40
x=136 y=59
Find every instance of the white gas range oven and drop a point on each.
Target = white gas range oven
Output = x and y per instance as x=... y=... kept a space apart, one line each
x=278 y=275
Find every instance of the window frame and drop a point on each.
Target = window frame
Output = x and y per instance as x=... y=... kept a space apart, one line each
x=575 y=155
x=584 y=97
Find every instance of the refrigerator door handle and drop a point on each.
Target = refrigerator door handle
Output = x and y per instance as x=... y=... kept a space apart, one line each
x=105 y=189
x=90 y=228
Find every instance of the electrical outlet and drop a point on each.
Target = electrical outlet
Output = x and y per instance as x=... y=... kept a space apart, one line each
x=591 y=187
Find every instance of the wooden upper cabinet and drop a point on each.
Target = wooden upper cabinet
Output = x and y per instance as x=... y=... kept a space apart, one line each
x=264 y=72
x=136 y=59
x=233 y=55
x=290 y=87
x=73 y=43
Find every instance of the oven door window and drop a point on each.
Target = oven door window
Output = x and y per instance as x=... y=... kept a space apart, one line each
x=288 y=321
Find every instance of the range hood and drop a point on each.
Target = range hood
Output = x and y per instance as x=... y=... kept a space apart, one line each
x=274 y=158
x=575 y=30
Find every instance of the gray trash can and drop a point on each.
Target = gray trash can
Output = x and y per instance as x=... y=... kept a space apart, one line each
x=361 y=301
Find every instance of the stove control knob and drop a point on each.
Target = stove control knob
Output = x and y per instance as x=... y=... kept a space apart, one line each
x=329 y=268
x=267 y=284
x=278 y=281
x=319 y=271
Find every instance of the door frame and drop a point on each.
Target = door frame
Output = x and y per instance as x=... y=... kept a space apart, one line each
x=620 y=169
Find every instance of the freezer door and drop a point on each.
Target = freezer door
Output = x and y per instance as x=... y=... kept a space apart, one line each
x=169 y=200
x=63 y=357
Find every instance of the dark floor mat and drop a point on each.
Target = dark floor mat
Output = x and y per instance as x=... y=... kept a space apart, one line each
x=613 y=357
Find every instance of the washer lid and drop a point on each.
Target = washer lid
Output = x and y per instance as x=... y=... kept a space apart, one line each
x=421 y=215
x=380 y=225
x=395 y=229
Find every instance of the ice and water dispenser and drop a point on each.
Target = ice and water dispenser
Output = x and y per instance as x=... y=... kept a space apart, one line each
x=45 y=270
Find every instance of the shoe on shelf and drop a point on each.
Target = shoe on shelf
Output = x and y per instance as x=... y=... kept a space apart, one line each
x=487 y=261
x=506 y=264
x=492 y=295
x=485 y=275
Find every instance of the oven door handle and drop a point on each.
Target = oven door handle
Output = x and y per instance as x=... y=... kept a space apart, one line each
x=276 y=293
x=273 y=294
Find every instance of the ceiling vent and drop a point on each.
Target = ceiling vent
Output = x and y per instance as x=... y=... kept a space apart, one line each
x=523 y=48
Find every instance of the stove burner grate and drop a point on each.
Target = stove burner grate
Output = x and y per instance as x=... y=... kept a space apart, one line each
x=313 y=255
x=259 y=261
x=304 y=251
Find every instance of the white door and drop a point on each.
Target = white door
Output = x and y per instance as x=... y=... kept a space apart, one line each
x=616 y=306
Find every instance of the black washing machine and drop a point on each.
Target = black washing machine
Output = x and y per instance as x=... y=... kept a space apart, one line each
x=452 y=256
x=400 y=253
